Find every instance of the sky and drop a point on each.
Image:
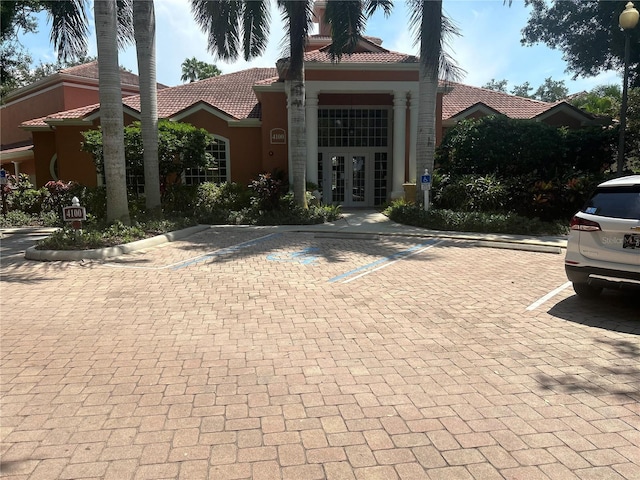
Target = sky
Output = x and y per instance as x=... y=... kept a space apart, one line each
x=488 y=48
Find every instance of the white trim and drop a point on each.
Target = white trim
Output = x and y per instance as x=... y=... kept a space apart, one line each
x=198 y=106
x=52 y=170
x=17 y=156
x=227 y=150
x=125 y=109
x=31 y=95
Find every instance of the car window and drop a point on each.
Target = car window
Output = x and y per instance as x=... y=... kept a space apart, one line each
x=616 y=202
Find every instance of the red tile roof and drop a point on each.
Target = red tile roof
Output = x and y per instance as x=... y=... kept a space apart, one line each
x=232 y=93
x=321 y=56
x=90 y=70
x=461 y=97
x=76 y=113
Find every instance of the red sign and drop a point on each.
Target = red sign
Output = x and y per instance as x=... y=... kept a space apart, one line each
x=69 y=214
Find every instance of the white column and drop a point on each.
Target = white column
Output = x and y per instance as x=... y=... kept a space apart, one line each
x=413 y=135
x=16 y=168
x=399 y=135
x=311 y=113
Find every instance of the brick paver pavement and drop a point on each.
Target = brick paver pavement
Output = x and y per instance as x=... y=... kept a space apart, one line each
x=245 y=353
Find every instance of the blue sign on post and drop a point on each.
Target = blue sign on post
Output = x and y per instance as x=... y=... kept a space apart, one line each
x=3 y=176
x=425 y=179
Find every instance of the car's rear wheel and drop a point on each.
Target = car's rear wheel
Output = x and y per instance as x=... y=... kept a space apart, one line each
x=585 y=290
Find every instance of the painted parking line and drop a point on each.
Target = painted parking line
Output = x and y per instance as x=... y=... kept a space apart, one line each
x=360 y=272
x=226 y=251
x=223 y=252
x=549 y=295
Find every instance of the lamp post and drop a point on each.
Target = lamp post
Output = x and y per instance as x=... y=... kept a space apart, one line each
x=628 y=21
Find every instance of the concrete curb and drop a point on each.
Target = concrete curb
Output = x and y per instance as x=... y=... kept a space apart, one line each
x=101 y=253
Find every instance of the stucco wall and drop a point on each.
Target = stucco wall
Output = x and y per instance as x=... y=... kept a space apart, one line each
x=28 y=108
x=245 y=144
x=274 y=115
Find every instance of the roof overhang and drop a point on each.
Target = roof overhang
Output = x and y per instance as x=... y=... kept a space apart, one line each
x=480 y=107
x=568 y=109
x=203 y=106
x=361 y=66
x=18 y=154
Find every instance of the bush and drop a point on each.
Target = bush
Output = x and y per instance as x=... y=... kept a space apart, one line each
x=449 y=220
x=511 y=147
x=98 y=235
x=470 y=193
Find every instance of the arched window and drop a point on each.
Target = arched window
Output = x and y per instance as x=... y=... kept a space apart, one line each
x=218 y=171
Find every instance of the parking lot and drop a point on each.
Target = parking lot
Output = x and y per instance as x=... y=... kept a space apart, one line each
x=243 y=353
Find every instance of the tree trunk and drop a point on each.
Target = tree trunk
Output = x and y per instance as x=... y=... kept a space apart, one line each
x=430 y=45
x=144 y=25
x=111 y=111
x=298 y=137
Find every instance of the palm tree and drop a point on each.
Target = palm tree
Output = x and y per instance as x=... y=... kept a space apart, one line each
x=430 y=27
x=231 y=25
x=69 y=31
x=144 y=28
x=194 y=69
x=189 y=70
x=111 y=113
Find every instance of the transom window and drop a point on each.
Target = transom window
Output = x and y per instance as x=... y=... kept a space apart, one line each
x=217 y=172
x=353 y=127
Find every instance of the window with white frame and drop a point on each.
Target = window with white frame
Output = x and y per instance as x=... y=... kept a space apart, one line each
x=217 y=171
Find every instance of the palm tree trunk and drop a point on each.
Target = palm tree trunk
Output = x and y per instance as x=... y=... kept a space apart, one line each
x=111 y=111
x=297 y=127
x=144 y=27
x=298 y=137
x=430 y=45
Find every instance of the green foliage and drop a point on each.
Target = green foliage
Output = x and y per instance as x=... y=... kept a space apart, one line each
x=219 y=204
x=194 y=69
x=550 y=91
x=180 y=146
x=496 y=85
x=586 y=32
x=288 y=213
x=22 y=195
x=179 y=199
x=470 y=193
x=449 y=220
x=18 y=218
x=508 y=147
x=267 y=192
x=99 y=235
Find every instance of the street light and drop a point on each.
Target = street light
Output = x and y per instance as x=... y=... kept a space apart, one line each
x=628 y=21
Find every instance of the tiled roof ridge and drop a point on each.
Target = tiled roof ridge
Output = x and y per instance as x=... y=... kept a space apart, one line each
x=73 y=70
x=496 y=92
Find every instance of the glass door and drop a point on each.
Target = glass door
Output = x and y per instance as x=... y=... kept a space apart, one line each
x=358 y=180
x=348 y=177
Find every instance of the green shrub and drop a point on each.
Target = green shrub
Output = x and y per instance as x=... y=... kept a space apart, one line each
x=449 y=220
x=470 y=193
x=98 y=235
x=267 y=191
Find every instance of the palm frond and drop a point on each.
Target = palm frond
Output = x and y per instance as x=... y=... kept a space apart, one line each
x=125 y=23
x=298 y=18
x=255 y=29
x=371 y=6
x=219 y=20
x=347 y=20
x=433 y=30
x=69 y=27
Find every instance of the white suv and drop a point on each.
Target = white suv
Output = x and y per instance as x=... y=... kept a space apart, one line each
x=603 y=249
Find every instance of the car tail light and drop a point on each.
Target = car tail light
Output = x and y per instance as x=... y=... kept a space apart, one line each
x=582 y=224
